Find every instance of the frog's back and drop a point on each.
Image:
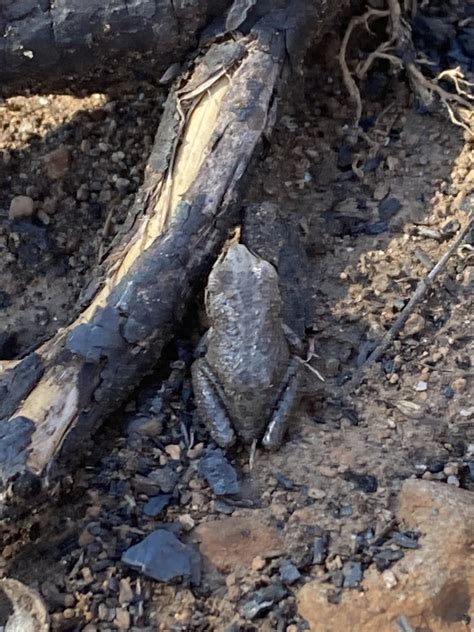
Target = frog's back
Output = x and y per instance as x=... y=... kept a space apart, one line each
x=247 y=345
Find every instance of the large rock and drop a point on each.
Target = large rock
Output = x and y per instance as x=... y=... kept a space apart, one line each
x=431 y=588
x=232 y=542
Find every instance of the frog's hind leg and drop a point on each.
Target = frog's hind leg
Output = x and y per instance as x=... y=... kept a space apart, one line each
x=209 y=400
x=287 y=399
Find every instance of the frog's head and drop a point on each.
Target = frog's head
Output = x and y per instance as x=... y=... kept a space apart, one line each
x=242 y=286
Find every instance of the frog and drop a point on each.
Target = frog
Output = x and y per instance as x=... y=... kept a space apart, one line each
x=246 y=385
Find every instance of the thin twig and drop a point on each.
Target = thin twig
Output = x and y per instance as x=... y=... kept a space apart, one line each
x=418 y=295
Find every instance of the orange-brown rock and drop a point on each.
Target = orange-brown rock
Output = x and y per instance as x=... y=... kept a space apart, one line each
x=234 y=542
x=57 y=163
x=431 y=588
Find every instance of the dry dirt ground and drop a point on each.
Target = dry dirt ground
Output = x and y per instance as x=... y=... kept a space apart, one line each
x=316 y=504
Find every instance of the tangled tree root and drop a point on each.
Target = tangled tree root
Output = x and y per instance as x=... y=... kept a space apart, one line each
x=400 y=52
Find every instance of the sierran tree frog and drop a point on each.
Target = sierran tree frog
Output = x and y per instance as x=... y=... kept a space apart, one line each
x=247 y=384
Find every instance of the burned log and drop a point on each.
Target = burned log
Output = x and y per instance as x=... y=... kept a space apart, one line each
x=215 y=117
x=47 y=42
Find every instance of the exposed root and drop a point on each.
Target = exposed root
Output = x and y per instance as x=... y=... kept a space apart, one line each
x=458 y=107
x=349 y=82
x=399 y=51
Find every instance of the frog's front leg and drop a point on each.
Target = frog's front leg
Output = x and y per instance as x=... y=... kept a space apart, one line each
x=285 y=404
x=210 y=402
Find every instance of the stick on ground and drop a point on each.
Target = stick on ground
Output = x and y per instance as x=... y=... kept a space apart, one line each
x=418 y=296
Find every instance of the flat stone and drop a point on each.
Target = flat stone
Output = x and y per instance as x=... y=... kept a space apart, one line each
x=235 y=541
x=219 y=473
x=166 y=477
x=431 y=588
x=21 y=206
x=222 y=507
x=260 y=601
x=389 y=208
x=352 y=572
x=289 y=574
x=155 y=505
x=163 y=557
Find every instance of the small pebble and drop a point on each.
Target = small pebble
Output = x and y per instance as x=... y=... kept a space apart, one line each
x=421 y=386
x=332 y=367
x=82 y=193
x=320 y=549
x=414 y=325
x=174 y=451
x=389 y=579
x=258 y=563
x=85 y=146
x=261 y=601
x=122 y=184
x=57 y=163
x=122 y=619
x=451 y=469
x=196 y=451
x=317 y=494
x=326 y=471
x=187 y=522
x=156 y=505
x=117 y=156
x=222 y=507
x=453 y=480
x=353 y=574
x=289 y=574
x=21 y=206
x=125 y=592
x=448 y=392
x=405 y=541
x=219 y=473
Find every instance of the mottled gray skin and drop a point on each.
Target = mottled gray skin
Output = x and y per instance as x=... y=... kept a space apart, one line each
x=247 y=383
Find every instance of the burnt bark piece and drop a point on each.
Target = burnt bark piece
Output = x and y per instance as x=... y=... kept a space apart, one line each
x=213 y=122
x=277 y=239
x=45 y=40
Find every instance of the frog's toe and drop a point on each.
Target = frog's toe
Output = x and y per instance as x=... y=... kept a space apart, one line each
x=273 y=437
x=221 y=430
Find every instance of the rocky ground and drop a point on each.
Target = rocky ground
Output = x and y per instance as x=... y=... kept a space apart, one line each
x=363 y=519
